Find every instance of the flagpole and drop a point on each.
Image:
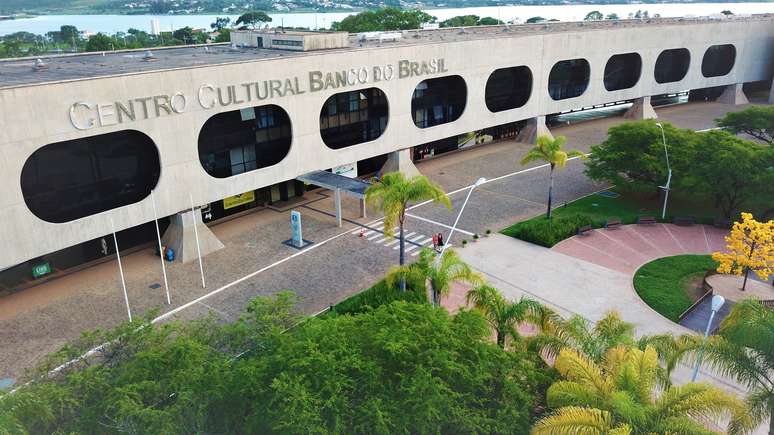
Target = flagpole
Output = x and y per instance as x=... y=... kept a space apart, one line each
x=196 y=234
x=120 y=269
x=161 y=252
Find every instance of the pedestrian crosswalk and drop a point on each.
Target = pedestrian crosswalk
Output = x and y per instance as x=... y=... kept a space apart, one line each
x=375 y=234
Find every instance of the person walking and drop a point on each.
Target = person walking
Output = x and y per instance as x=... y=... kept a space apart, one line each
x=440 y=240
x=435 y=242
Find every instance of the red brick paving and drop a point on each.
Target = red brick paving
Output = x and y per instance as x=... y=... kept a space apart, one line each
x=629 y=247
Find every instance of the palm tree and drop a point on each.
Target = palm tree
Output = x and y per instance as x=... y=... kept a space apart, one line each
x=504 y=316
x=393 y=193
x=578 y=333
x=549 y=150
x=744 y=350
x=444 y=271
x=617 y=396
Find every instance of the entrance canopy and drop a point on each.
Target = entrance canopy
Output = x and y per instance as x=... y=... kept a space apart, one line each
x=339 y=183
x=351 y=186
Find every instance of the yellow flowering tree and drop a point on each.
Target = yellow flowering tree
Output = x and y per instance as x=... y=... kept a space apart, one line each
x=750 y=248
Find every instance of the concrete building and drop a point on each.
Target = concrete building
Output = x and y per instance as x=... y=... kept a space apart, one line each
x=86 y=138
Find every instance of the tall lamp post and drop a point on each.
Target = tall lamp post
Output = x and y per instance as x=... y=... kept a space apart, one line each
x=717 y=303
x=478 y=182
x=669 y=172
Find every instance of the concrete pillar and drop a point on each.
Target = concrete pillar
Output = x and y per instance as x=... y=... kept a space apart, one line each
x=181 y=238
x=535 y=127
x=337 y=199
x=363 y=208
x=641 y=109
x=733 y=94
x=771 y=92
x=400 y=161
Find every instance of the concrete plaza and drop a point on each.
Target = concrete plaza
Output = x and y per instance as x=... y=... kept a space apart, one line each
x=254 y=262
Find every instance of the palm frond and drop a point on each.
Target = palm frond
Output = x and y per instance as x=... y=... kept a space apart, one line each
x=577 y=420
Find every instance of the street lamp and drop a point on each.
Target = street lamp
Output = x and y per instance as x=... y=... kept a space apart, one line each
x=478 y=182
x=717 y=303
x=669 y=171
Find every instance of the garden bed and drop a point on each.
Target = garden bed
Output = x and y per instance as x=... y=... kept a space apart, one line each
x=670 y=285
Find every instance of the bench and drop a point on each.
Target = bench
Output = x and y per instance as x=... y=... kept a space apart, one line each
x=646 y=220
x=722 y=223
x=613 y=223
x=584 y=229
x=684 y=221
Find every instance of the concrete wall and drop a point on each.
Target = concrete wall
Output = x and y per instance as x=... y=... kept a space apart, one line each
x=34 y=116
x=310 y=40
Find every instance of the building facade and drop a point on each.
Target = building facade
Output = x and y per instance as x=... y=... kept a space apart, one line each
x=85 y=139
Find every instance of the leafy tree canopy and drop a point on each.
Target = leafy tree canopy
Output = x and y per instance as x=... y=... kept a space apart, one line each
x=383 y=19
x=594 y=16
x=755 y=121
x=253 y=18
x=535 y=20
x=100 y=42
x=400 y=368
x=469 y=21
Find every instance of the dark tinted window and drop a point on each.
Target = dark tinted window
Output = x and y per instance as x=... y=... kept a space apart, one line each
x=350 y=118
x=718 y=60
x=569 y=79
x=508 y=88
x=438 y=101
x=240 y=141
x=672 y=65
x=69 y=180
x=622 y=71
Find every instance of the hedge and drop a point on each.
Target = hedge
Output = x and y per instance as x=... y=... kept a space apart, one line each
x=548 y=232
x=381 y=294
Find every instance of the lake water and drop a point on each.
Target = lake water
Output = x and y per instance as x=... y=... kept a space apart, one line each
x=115 y=23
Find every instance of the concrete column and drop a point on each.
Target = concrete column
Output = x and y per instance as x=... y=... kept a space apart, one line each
x=181 y=238
x=400 y=161
x=337 y=198
x=363 y=208
x=771 y=92
x=641 y=109
x=733 y=94
x=535 y=127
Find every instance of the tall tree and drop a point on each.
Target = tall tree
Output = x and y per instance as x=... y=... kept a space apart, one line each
x=750 y=247
x=730 y=171
x=100 y=42
x=252 y=19
x=592 y=340
x=383 y=19
x=392 y=195
x=594 y=16
x=755 y=121
x=550 y=150
x=743 y=350
x=441 y=272
x=504 y=316
x=619 y=396
x=220 y=23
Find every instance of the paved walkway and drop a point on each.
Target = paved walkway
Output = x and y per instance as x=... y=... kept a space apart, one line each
x=628 y=247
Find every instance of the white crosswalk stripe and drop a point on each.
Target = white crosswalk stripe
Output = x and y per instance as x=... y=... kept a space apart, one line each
x=375 y=234
x=406 y=237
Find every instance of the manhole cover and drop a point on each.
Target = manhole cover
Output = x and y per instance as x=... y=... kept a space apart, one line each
x=155 y=286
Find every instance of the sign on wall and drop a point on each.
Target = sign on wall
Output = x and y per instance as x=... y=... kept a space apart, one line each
x=41 y=269
x=237 y=200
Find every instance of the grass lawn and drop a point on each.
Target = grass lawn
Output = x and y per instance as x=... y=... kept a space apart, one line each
x=666 y=284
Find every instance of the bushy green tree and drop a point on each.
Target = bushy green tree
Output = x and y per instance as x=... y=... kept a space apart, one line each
x=730 y=171
x=469 y=21
x=594 y=16
x=383 y=19
x=632 y=156
x=755 y=121
x=100 y=42
x=252 y=19
x=533 y=20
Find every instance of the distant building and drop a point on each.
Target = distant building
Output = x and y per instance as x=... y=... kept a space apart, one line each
x=290 y=40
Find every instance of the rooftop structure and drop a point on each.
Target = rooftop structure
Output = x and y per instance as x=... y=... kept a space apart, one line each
x=19 y=72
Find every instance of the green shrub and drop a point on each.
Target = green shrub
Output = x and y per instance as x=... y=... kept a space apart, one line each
x=548 y=232
x=381 y=294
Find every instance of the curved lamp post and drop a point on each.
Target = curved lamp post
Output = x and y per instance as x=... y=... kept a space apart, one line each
x=717 y=303
x=669 y=171
x=478 y=182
